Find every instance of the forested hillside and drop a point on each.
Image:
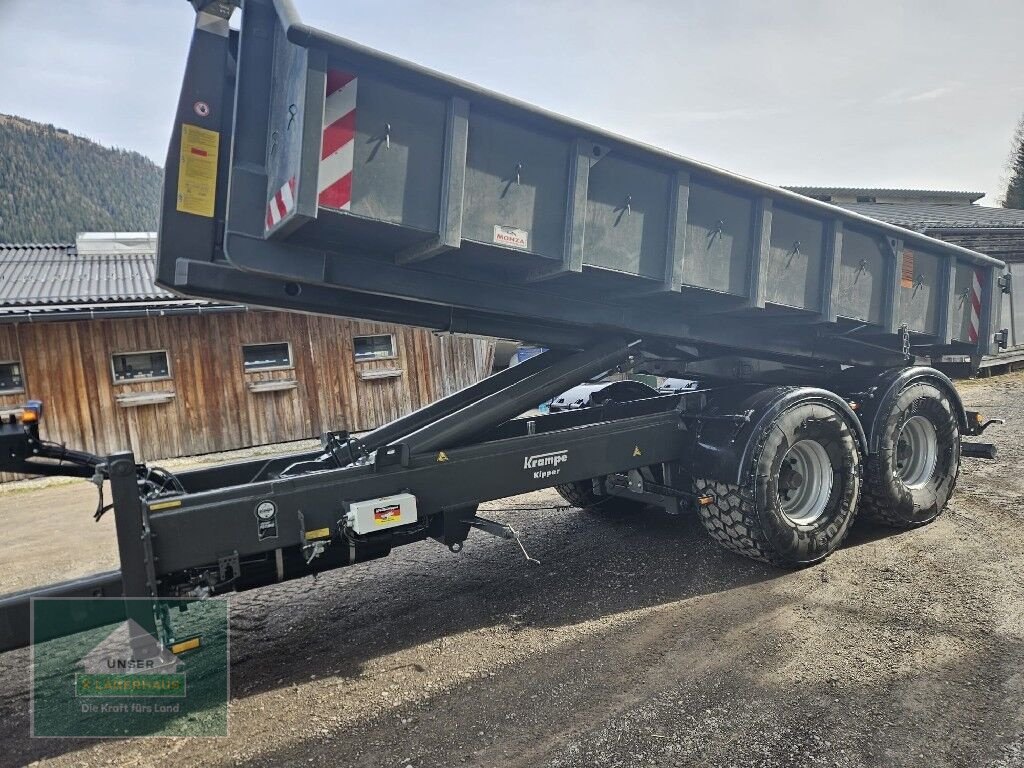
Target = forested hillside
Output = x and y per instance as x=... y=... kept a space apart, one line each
x=54 y=184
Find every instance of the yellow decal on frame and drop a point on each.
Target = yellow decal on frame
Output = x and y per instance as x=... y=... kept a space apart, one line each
x=197 y=170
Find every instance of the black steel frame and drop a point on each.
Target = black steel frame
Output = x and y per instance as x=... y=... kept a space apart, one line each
x=461 y=450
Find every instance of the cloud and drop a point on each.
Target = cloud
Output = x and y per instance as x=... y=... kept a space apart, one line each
x=912 y=95
x=934 y=93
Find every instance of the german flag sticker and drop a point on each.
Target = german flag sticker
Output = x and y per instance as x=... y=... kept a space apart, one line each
x=387 y=515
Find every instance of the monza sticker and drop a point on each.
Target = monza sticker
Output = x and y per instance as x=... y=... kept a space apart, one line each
x=266 y=520
x=513 y=237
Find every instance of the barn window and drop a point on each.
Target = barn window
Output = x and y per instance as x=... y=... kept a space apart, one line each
x=379 y=347
x=140 y=366
x=267 y=357
x=10 y=377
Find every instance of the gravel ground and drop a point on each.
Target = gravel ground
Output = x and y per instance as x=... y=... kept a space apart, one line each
x=636 y=642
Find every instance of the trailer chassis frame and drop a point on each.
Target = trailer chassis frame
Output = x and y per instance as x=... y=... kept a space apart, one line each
x=452 y=455
x=246 y=524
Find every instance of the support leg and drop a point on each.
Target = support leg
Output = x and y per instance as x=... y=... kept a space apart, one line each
x=134 y=546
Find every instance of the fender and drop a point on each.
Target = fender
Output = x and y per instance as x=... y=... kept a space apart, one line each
x=724 y=447
x=875 y=391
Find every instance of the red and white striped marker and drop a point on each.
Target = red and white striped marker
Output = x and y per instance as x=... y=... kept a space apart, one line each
x=336 y=152
x=972 y=330
x=281 y=203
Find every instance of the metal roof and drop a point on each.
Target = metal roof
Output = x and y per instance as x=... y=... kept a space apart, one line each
x=936 y=194
x=930 y=217
x=57 y=274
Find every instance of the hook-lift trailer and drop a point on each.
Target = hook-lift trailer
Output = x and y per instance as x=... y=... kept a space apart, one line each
x=310 y=173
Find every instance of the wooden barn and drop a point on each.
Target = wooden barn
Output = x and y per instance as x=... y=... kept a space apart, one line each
x=120 y=363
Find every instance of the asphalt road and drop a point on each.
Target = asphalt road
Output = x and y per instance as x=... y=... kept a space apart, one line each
x=635 y=642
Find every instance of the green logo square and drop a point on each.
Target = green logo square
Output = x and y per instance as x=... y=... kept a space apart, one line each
x=122 y=667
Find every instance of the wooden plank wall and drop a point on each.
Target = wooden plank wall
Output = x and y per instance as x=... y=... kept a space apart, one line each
x=67 y=366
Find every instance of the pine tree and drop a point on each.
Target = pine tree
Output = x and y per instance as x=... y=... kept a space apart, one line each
x=54 y=184
x=1014 y=197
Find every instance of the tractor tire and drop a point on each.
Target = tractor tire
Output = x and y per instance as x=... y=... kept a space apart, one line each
x=799 y=497
x=908 y=482
x=581 y=494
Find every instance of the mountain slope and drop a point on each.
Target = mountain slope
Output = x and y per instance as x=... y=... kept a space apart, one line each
x=54 y=184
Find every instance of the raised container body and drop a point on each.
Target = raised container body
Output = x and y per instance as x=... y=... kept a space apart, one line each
x=351 y=183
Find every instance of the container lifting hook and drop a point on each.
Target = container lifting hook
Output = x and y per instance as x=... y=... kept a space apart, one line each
x=717 y=232
x=793 y=252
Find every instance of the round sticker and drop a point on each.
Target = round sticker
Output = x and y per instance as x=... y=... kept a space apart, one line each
x=201 y=108
x=266 y=510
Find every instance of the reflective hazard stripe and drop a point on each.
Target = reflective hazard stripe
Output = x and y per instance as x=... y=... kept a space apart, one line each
x=281 y=203
x=975 y=325
x=336 y=153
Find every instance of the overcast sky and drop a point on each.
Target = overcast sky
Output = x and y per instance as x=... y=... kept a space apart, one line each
x=922 y=93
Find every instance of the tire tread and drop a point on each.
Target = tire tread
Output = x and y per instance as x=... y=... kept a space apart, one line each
x=874 y=503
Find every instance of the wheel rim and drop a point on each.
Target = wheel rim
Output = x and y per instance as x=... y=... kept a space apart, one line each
x=917 y=451
x=805 y=482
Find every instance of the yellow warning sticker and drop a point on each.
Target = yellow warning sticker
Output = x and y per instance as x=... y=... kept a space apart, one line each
x=319 y=533
x=164 y=505
x=442 y=456
x=637 y=451
x=186 y=645
x=197 y=170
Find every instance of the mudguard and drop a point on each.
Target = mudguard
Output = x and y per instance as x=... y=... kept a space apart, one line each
x=728 y=432
x=874 y=391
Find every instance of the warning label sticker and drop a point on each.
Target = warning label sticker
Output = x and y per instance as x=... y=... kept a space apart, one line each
x=266 y=520
x=907 y=275
x=389 y=514
x=197 y=170
x=513 y=237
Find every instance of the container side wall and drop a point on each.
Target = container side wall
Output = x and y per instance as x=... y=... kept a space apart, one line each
x=920 y=288
x=398 y=153
x=516 y=182
x=718 y=239
x=627 y=217
x=861 y=277
x=795 y=260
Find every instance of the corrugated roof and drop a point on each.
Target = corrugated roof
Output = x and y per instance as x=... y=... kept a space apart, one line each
x=926 y=216
x=49 y=274
x=965 y=195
